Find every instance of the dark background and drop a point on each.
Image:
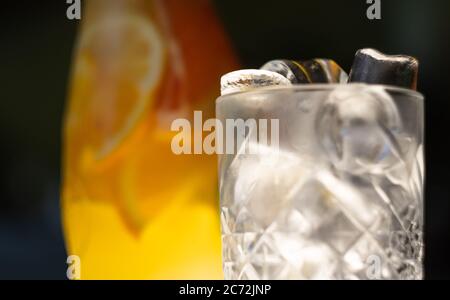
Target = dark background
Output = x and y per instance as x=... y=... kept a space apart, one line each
x=36 y=43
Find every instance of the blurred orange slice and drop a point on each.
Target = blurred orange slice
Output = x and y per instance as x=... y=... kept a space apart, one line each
x=120 y=64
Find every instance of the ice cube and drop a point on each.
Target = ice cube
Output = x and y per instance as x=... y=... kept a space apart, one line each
x=331 y=210
x=357 y=128
x=318 y=262
x=314 y=202
x=367 y=260
x=259 y=183
x=338 y=232
x=304 y=258
x=351 y=200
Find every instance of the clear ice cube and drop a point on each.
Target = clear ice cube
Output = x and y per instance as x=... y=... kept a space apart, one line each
x=355 y=128
x=257 y=181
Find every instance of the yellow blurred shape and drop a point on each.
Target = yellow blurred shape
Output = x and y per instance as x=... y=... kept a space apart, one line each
x=131 y=208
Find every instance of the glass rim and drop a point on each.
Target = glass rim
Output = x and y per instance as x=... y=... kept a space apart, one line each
x=322 y=87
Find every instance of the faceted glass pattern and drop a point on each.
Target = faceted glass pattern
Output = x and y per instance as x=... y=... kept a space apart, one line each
x=342 y=195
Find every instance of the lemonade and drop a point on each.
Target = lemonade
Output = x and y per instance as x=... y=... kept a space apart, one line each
x=131 y=208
